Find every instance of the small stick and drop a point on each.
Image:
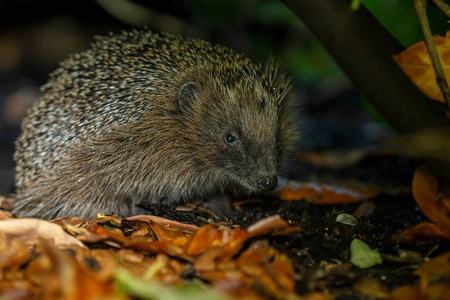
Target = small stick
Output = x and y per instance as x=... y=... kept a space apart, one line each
x=443 y=6
x=420 y=6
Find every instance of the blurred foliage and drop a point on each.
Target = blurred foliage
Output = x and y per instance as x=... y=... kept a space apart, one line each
x=275 y=31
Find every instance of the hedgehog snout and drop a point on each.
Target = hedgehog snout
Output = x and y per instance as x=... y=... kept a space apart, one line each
x=267 y=183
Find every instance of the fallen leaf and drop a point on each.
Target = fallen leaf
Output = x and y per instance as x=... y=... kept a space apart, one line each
x=407 y=292
x=416 y=63
x=404 y=256
x=327 y=194
x=362 y=256
x=335 y=159
x=423 y=230
x=207 y=261
x=434 y=275
x=30 y=229
x=366 y=208
x=50 y=273
x=188 y=228
x=273 y=225
x=432 y=198
x=371 y=287
x=346 y=219
x=231 y=241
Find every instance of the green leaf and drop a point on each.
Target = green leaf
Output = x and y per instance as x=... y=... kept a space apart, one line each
x=362 y=256
x=126 y=283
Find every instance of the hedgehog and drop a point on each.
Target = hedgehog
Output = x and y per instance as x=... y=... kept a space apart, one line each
x=144 y=117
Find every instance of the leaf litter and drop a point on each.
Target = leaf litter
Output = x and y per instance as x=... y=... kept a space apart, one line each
x=123 y=258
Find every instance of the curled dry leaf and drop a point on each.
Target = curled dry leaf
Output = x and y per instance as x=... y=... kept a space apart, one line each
x=432 y=198
x=273 y=225
x=416 y=63
x=231 y=241
x=30 y=230
x=423 y=230
x=188 y=228
x=327 y=194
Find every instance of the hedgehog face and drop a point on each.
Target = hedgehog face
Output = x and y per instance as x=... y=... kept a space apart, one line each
x=239 y=139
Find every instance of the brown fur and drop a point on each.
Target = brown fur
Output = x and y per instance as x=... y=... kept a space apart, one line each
x=109 y=130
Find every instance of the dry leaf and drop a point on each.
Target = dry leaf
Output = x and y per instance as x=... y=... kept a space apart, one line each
x=273 y=224
x=327 y=194
x=335 y=159
x=231 y=241
x=188 y=228
x=432 y=198
x=423 y=230
x=371 y=287
x=416 y=63
x=434 y=276
x=30 y=229
x=407 y=292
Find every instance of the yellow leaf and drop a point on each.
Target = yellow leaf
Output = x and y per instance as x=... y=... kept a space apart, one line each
x=416 y=63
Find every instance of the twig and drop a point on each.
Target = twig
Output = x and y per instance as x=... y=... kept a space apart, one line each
x=443 y=6
x=428 y=36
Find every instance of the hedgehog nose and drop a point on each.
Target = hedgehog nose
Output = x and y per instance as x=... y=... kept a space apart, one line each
x=267 y=183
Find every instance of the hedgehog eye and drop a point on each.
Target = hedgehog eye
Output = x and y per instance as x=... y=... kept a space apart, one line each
x=230 y=139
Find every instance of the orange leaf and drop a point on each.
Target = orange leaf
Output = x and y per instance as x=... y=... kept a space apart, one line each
x=428 y=230
x=30 y=229
x=407 y=292
x=273 y=224
x=416 y=63
x=433 y=199
x=327 y=194
x=231 y=241
x=188 y=228
x=371 y=287
x=434 y=277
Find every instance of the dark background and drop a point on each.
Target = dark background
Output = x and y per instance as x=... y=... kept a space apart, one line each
x=36 y=35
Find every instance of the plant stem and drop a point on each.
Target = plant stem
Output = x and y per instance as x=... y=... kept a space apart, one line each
x=432 y=51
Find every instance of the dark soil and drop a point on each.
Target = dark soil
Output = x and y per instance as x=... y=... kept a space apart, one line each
x=321 y=251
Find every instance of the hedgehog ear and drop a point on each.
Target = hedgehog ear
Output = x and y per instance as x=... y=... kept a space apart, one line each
x=186 y=96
